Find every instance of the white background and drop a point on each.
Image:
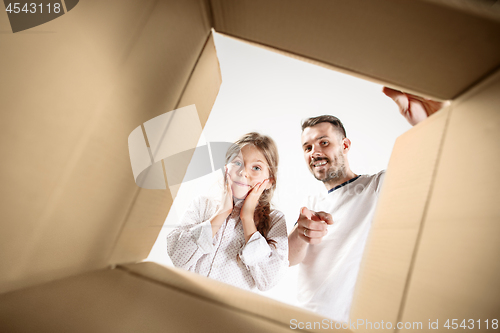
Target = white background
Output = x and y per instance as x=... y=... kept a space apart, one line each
x=272 y=94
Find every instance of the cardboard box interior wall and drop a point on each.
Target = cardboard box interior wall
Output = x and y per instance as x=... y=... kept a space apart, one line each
x=73 y=89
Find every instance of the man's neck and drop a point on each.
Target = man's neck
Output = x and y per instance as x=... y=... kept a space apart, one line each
x=336 y=182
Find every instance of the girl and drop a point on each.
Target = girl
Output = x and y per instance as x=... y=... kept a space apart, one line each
x=239 y=240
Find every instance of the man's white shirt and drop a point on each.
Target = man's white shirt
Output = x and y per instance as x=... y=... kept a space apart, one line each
x=328 y=273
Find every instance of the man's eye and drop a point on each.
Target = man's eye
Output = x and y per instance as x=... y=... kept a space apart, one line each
x=307 y=149
x=324 y=143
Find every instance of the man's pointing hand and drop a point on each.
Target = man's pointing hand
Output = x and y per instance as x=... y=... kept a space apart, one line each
x=312 y=226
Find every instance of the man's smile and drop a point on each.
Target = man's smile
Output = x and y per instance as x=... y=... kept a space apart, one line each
x=319 y=162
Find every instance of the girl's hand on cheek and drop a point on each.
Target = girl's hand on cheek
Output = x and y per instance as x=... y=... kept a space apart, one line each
x=227 y=198
x=248 y=208
x=225 y=208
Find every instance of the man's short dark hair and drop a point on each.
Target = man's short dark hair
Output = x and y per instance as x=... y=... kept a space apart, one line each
x=310 y=122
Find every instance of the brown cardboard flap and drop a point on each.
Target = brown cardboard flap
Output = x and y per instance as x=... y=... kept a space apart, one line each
x=328 y=66
x=222 y=293
x=433 y=250
x=146 y=298
x=397 y=223
x=456 y=269
x=150 y=208
x=72 y=90
x=417 y=45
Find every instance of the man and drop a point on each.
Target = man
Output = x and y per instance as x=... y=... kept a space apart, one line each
x=329 y=237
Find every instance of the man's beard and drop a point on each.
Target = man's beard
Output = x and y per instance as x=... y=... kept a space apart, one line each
x=336 y=171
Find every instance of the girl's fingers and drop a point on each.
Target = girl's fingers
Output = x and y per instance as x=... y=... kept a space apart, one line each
x=229 y=181
x=260 y=187
x=263 y=186
x=253 y=197
x=269 y=183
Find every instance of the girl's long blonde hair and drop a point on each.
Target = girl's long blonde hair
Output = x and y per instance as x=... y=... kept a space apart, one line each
x=268 y=148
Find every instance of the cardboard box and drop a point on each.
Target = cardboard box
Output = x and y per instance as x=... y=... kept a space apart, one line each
x=74 y=88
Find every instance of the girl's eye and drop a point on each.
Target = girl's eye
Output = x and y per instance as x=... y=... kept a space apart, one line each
x=256 y=168
x=237 y=163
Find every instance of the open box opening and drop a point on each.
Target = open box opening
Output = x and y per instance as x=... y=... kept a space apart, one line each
x=267 y=92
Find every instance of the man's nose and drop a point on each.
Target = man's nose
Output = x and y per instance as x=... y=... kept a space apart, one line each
x=315 y=150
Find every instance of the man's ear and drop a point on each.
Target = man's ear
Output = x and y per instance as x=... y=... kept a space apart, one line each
x=346 y=145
